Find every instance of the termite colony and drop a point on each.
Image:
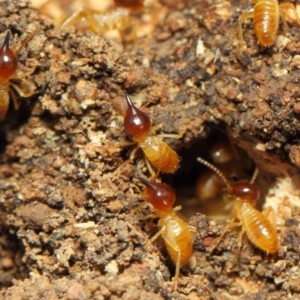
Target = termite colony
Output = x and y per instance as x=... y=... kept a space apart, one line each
x=210 y=186
x=11 y=77
x=160 y=158
x=260 y=228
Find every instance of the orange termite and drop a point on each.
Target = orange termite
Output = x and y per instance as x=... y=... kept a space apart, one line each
x=209 y=183
x=8 y=72
x=99 y=22
x=259 y=226
x=266 y=14
x=177 y=234
x=158 y=153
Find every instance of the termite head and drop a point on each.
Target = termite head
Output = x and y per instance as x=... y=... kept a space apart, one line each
x=8 y=59
x=246 y=191
x=243 y=190
x=160 y=195
x=221 y=152
x=136 y=122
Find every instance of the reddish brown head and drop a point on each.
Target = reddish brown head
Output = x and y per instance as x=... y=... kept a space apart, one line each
x=136 y=122
x=245 y=191
x=160 y=195
x=8 y=59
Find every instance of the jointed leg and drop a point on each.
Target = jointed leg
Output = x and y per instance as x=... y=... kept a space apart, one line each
x=17 y=50
x=178 y=260
x=193 y=232
x=164 y=135
x=24 y=71
x=177 y=269
x=239 y=242
x=154 y=174
x=254 y=176
x=288 y=6
x=269 y=213
x=242 y=19
x=177 y=208
x=157 y=234
x=229 y=226
x=83 y=13
x=170 y=135
x=21 y=92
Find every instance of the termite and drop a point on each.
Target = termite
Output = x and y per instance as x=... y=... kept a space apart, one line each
x=260 y=227
x=9 y=72
x=209 y=183
x=99 y=22
x=138 y=124
x=265 y=14
x=176 y=233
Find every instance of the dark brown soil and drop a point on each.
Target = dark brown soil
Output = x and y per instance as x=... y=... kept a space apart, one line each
x=66 y=199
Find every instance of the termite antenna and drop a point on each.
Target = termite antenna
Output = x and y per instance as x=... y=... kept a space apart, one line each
x=254 y=176
x=216 y=170
x=144 y=181
x=25 y=42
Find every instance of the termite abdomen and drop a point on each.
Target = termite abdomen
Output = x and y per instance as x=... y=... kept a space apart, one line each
x=266 y=20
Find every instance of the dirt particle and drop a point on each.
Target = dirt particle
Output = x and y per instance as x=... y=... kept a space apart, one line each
x=36 y=214
x=294 y=155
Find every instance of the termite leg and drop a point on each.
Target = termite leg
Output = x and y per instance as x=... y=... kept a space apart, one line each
x=239 y=246
x=254 y=176
x=154 y=174
x=177 y=267
x=14 y=97
x=230 y=225
x=129 y=32
x=170 y=135
x=83 y=13
x=177 y=208
x=193 y=231
x=156 y=236
x=22 y=73
x=288 y=6
x=132 y=155
x=269 y=213
x=125 y=144
x=139 y=207
x=165 y=135
x=21 y=92
x=155 y=127
x=17 y=50
x=241 y=21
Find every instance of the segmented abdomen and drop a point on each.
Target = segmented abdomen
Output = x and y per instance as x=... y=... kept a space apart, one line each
x=161 y=156
x=178 y=238
x=259 y=230
x=266 y=20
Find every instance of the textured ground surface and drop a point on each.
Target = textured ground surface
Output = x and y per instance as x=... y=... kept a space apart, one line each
x=66 y=198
